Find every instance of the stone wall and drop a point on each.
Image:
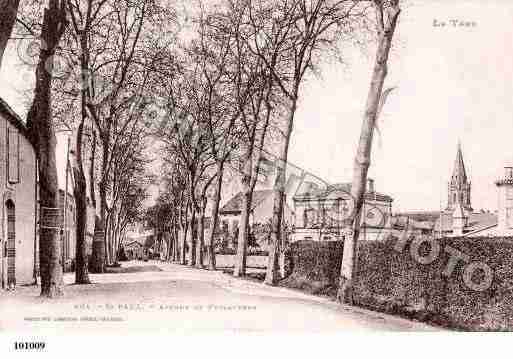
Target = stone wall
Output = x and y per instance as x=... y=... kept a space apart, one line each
x=23 y=196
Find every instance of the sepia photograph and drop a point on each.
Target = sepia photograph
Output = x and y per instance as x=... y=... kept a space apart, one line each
x=254 y=166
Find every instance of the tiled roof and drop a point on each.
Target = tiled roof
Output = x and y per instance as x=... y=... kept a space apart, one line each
x=400 y=221
x=133 y=243
x=421 y=216
x=476 y=221
x=309 y=190
x=13 y=118
x=234 y=205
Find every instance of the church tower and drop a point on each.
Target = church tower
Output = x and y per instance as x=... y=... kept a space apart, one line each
x=459 y=186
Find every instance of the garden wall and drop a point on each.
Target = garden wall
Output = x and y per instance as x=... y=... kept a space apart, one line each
x=252 y=262
x=394 y=281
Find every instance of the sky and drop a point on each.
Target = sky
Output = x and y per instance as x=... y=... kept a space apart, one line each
x=452 y=84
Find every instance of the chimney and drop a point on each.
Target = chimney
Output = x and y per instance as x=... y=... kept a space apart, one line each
x=370 y=185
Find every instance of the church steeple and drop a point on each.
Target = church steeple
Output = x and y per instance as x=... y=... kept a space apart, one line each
x=459 y=174
x=459 y=186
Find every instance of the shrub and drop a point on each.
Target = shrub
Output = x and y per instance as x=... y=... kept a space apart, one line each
x=392 y=281
x=315 y=266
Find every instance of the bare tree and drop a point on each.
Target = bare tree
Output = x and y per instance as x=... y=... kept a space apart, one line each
x=126 y=67
x=41 y=127
x=222 y=77
x=239 y=83
x=289 y=36
x=129 y=182
x=82 y=26
x=387 y=14
x=189 y=143
x=8 y=11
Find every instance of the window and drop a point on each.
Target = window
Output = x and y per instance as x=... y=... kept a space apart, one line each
x=13 y=163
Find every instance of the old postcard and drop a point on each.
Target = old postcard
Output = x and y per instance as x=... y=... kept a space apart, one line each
x=240 y=165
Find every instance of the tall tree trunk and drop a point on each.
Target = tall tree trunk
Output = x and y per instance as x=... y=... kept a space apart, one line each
x=104 y=220
x=100 y=248
x=97 y=263
x=109 y=238
x=273 y=268
x=115 y=235
x=98 y=253
x=185 y=229
x=215 y=217
x=80 y=188
x=39 y=122
x=242 y=243
x=92 y=180
x=172 y=239
x=386 y=23
x=176 y=240
x=200 y=248
x=79 y=191
x=176 y=246
x=192 y=235
x=8 y=11
x=169 y=246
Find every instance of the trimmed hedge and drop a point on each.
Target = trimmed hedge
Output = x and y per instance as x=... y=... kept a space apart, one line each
x=394 y=282
x=314 y=266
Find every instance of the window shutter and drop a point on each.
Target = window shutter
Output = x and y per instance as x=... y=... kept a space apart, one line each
x=13 y=156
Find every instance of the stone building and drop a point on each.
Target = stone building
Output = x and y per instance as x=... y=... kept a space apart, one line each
x=68 y=234
x=320 y=212
x=18 y=183
x=67 y=219
x=261 y=211
x=498 y=224
x=460 y=220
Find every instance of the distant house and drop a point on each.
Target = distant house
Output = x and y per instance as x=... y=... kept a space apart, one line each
x=134 y=250
x=320 y=212
x=138 y=238
x=459 y=219
x=67 y=221
x=18 y=183
x=261 y=210
x=462 y=223
x=67 y=218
